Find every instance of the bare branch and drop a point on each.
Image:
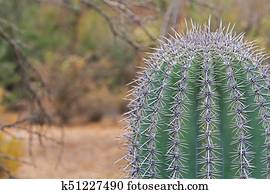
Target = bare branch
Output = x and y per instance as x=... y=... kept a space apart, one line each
x=172 y=16
x=133 y=17
x=17 y=125
x=6 y=171
x=110 y=23
x=14 y=159
x=28 y=74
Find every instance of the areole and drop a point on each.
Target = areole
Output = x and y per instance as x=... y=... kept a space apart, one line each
x=200 y=109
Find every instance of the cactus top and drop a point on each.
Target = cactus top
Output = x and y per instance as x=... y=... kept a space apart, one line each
x=200 y=109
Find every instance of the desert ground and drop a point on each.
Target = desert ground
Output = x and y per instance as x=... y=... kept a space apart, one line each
x=89 y=151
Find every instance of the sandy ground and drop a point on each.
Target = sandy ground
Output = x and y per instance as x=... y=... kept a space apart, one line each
x=89 y=152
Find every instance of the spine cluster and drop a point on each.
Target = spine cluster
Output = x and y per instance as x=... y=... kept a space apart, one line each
x=185 y=72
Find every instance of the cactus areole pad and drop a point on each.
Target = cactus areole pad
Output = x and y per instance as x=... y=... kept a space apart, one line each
x=201 y=109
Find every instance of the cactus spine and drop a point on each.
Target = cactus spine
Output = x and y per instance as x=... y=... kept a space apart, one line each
x=201 y=109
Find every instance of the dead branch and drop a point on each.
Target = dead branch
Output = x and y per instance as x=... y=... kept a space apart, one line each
x=6 y=171
x=110 y=23
x=18 y=125
x=130 y=15
x=114 y=28
x=28 y=74
x=172 y=17
x=14 y=159
x=23 y=126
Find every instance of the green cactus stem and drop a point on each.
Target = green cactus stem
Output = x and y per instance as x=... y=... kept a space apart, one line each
x=201 y=109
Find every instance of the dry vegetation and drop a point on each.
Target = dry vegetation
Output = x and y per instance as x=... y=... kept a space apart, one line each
x=69 y=62
x=90 y=152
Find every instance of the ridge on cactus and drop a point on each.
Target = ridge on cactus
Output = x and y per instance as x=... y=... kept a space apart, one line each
x=201 y=109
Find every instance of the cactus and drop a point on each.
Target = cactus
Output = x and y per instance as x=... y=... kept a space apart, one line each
x=200 y=109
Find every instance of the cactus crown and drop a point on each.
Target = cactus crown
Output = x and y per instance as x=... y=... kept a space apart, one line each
x=200 y=109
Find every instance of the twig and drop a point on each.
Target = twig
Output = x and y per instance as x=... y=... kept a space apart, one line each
x=10 y=158
x=6 y=171
x=16 y=126
x=110 y=24
x=133 y=17
x=25 y=68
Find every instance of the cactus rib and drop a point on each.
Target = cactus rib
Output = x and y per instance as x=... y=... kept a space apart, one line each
x=201 y=109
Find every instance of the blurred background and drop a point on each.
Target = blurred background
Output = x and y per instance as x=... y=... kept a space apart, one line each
x=65 y=66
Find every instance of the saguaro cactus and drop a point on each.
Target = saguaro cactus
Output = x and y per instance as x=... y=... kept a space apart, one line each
x=200 y=109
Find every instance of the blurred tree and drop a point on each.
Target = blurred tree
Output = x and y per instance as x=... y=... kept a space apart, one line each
x=109 y=35
x=73 y=58
x=173 y=16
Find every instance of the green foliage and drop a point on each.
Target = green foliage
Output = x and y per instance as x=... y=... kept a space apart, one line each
x=49 y=33
x=54 y=34
x=9 y=77
x=93 y=33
